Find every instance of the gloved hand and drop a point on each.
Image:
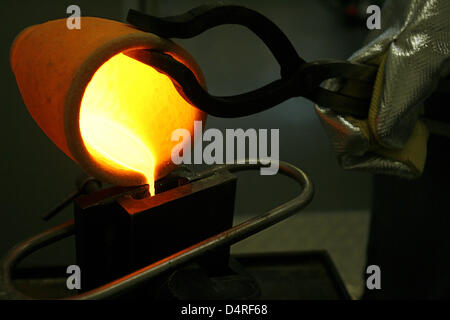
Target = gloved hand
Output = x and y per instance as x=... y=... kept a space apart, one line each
x=412 y=50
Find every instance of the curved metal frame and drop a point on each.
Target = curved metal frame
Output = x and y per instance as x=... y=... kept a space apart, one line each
x=228 y=237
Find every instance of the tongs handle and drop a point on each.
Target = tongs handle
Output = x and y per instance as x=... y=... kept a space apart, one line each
x=205 y=17
x=298 y=78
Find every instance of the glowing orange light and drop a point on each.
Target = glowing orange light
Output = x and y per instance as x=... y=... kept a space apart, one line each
x=127 y=116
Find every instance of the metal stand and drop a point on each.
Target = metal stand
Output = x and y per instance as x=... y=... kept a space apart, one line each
x=193 y=189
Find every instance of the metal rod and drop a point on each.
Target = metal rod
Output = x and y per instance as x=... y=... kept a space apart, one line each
x=85 y=184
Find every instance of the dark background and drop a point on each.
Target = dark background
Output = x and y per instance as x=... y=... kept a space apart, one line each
x=36 y=175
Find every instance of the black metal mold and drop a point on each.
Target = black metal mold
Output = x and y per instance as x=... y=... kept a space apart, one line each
x=122 y=235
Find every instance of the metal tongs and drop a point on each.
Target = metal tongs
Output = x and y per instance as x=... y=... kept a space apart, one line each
x=298 y=77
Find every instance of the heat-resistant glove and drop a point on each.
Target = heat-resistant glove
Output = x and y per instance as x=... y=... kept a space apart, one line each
x=412 y=51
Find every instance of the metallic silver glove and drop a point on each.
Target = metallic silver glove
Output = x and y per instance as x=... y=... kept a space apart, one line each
x=413 y=49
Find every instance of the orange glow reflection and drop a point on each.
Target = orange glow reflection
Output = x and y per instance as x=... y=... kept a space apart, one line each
x=127 y=116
